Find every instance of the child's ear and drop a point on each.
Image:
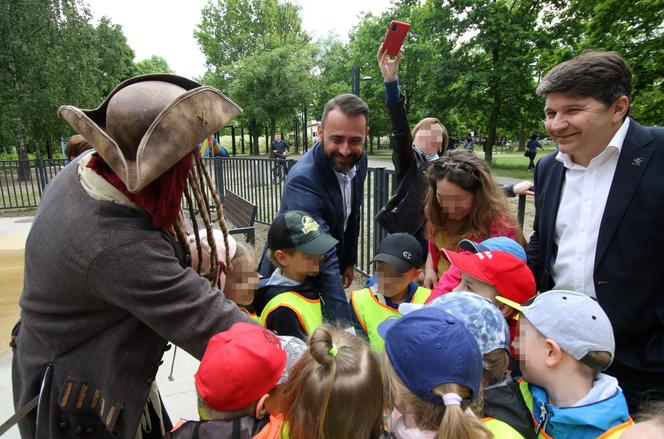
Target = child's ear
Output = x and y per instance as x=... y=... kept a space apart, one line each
x=281 y=257
x=417 y=273
x=555 y=353
x=261 y=409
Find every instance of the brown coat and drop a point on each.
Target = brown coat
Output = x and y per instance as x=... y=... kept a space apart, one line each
x=103 y=293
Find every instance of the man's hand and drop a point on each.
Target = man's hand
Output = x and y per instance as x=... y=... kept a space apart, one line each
x=348 y=276
x=524 y=188
x=389 y=67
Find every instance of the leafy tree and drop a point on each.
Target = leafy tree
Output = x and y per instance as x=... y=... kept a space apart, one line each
x=154 y=64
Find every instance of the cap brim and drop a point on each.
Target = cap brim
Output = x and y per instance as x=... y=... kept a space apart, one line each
x=398 y=263
x=385 y=326
x=320 y=245
x=509 y=303
x=471 y=246
x=407 y=308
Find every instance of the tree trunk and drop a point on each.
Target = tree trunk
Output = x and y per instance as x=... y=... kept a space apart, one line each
x=522 y=139
x=253 y=133
x=493 y=119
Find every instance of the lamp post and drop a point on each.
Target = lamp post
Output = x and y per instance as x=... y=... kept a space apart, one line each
x=355 y=80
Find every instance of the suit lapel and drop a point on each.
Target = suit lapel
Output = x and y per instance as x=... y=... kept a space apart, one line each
x=555 y=188
x=632 y=163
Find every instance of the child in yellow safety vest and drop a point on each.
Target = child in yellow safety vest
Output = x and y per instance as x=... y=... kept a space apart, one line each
x=287 y=302
x=398 y=260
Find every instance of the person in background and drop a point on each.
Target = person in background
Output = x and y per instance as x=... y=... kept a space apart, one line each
x=279 y=147
x=531 y=150
x=76 y=145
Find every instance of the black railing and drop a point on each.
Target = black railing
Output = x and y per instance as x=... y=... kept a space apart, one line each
x=258 y=180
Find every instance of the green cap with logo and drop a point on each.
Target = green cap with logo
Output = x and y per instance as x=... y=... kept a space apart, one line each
x=297 y=229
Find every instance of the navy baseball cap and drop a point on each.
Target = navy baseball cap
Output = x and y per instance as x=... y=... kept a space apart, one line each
x=400 y=250
x=430 y=347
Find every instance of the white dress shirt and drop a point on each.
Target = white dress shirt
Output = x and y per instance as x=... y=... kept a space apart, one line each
x=346 y=191
x=582 y=203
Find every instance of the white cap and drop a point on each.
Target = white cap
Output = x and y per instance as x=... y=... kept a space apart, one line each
x=573 y=320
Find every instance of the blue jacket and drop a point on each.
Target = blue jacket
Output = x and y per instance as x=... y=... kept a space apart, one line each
x=312 y=186
x=579 y=422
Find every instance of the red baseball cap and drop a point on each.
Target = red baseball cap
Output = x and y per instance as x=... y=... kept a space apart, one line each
x=509 y=275
x=239 y=366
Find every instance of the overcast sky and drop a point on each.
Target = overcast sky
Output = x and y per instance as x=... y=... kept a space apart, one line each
x=165 y=27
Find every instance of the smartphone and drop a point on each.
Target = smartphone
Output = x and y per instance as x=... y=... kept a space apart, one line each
x=396 y=33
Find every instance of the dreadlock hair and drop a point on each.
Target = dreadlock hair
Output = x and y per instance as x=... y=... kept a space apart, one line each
x=199 y=184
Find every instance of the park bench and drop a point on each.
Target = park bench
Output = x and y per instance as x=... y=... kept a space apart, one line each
x=242 y=214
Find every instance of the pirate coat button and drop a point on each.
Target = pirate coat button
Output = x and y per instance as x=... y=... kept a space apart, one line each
x=63 y=425
x=78 y=429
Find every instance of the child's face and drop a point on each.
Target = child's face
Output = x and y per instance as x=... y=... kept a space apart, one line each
x=473 y=285
x=390 y=281
x=531 y=350
x=303 y=263
x=454 y=201
x=242 y=281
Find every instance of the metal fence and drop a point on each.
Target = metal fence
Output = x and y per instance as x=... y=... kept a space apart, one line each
x=258 y=180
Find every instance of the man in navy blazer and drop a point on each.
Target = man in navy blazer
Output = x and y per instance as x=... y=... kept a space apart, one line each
x=327 y=183
x=599 y=203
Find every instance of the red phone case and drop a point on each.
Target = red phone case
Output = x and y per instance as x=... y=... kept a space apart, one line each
x=396 y=33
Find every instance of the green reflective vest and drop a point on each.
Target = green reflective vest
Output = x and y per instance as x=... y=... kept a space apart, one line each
x=371 y=312
x=308 y=311
x=612 y=433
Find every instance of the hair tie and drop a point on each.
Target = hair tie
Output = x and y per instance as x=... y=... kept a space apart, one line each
x=333 y=350
x=451 y=399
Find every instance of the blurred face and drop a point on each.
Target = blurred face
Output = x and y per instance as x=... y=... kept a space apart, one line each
x=242 y=281
x=531 y=350
x=582 y=126
x=277 y=137
x=652 y=429
x=303 y=263
x=473 y=285
x=429 y=139
x=455 y=202
x=390 y=282
x=343 y=139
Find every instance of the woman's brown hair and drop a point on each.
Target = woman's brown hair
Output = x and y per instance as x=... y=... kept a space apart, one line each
x=426 y=123
x=335 y=389
x=449 y=421
x=495 y=365
x=471 y=174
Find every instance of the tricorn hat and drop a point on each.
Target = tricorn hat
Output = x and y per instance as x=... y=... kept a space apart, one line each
x=149 y=123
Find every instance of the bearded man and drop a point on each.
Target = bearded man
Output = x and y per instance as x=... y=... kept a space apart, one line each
x=327 y=183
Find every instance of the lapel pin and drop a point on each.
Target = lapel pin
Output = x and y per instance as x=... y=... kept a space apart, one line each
x=637 y=161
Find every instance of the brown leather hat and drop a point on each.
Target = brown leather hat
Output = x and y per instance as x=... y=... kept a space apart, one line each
x=149 y=123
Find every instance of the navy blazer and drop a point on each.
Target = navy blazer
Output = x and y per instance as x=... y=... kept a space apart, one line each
x=629 y=260
x=312 y=187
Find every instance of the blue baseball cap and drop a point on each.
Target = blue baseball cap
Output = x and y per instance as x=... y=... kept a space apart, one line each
x=497 y=243
x=481 y=317
x=430 y=347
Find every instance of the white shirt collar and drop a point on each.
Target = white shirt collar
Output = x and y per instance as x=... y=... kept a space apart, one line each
x=615 y=144
x=350 y=174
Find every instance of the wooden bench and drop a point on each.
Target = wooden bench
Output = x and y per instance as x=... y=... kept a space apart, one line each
x=242 y=214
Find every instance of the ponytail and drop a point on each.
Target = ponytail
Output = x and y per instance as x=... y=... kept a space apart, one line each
x=456 y=423
x=334 y=390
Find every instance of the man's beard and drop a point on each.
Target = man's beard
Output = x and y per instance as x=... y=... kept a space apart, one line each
x=337 y=167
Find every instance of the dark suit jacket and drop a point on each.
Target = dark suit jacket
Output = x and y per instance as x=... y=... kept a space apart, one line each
x=629 y=261
x=312 y=187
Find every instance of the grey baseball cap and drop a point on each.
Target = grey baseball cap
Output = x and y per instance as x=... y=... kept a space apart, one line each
x=575 y=321
x=297 y=229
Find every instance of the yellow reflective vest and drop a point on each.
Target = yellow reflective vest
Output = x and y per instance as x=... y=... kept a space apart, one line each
x=500 y=429
x=308 y=311
x=371 y=312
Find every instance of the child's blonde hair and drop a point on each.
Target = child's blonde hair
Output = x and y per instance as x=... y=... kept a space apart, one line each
x=335 y=389
x=449 y=421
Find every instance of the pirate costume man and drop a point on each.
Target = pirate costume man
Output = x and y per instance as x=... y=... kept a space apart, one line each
x=107 y=282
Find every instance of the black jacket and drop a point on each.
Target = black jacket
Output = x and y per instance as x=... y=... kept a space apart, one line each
x=239 y=428
x=404 y=212
x=505 y=403
x=628 y=261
